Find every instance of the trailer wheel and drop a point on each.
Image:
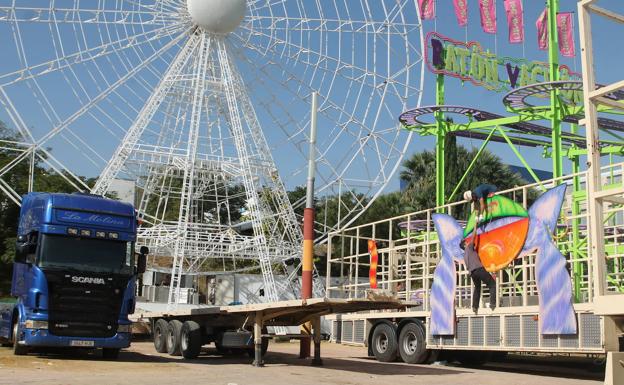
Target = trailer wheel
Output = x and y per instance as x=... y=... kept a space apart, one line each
x=384 y=343
x=190 y=339
x=221 y=349
x=18 y=350
x=173 y=337
x=160 y=335
x=412 y=344
x=265 y=346
x=110 y=353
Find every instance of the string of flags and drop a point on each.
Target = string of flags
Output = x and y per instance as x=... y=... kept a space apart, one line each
x=515 y=22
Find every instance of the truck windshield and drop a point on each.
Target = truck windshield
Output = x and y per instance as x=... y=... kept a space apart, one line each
x=86 y=254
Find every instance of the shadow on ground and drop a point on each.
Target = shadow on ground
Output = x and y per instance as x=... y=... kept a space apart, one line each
x=272 y=359
x=546 y=366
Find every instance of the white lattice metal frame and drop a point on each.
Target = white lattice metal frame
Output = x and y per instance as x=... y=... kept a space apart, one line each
x=134 y=89
x=599 y=199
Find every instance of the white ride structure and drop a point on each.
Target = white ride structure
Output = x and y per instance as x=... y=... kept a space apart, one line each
x=192 y=99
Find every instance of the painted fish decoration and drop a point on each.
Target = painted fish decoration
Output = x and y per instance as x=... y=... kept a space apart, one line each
x=506 y=235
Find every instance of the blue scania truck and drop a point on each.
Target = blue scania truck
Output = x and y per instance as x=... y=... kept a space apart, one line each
x=74 y=274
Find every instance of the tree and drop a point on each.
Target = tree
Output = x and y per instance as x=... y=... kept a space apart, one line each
x=16 y=177
x=419 y=174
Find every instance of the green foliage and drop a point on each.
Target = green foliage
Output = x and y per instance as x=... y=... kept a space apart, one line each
x=44 y=180
x=419 y=173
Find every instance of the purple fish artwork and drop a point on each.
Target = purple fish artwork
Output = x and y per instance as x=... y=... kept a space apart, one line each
x=509 y=232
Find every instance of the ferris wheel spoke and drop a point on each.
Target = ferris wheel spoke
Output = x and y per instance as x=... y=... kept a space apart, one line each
x=334 y=136
x=82 y=15
x=102 y=96
x=299 y=53
x=319 y=25
x=88 y=55
x=293 y=78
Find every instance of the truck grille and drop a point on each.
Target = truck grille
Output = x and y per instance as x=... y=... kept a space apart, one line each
x=84 y=310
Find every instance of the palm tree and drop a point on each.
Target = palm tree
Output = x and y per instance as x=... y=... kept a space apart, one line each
x=419 y=175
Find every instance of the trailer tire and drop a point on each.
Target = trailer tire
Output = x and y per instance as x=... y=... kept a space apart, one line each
x=110 y=353
x=221 y=349
x=412 y=344
x=160 y=335
x=265 y=346
x=18 y=350
x=384 y=343
x=173 y=337
x=190 y=340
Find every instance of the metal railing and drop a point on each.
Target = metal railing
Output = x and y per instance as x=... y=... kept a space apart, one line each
x=409 y=250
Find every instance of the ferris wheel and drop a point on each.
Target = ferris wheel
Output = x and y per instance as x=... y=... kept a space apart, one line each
x=203 y=102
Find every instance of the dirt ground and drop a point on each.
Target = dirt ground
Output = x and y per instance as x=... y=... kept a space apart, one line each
x=342 y=365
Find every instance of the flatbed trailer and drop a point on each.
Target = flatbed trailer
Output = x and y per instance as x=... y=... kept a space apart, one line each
x=244 y=327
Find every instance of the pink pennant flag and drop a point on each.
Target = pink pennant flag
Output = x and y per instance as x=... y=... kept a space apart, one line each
x=461 y=12
x=542 y=30
x=488 y=15
x=565 y=31
x=515 y=20
x=427 y=9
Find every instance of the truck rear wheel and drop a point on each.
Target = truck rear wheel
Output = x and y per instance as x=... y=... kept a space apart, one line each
x=173 y=337
x=110 y=353
x=412 y=344
x=160 y=335
x=18 y=350
x=384 y=343
x=190 y=339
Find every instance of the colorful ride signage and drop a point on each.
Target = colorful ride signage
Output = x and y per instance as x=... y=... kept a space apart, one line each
x=469 y=62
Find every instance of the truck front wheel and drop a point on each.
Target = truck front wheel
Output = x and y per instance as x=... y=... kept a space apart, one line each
x=110 y=353
x=160 y=335
x=173 y=337
x=384 y=343
x=190 y=339
x=18 y=350
x=412 y=344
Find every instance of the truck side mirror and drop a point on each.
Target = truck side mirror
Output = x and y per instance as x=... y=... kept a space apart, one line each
x=23 y=248
x=142 y=260
x=21 y=251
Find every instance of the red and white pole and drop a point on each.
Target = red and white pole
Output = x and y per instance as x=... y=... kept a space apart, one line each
x=308 y=224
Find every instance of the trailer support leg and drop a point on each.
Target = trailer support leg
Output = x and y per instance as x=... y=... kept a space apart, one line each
x=258 y=323
x=316 y=324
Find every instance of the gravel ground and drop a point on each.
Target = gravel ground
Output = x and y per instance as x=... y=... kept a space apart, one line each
x=342 y=365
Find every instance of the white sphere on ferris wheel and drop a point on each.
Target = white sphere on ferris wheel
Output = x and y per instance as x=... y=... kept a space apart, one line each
x=217 y=16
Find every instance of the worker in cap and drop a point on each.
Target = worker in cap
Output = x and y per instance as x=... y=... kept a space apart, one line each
x=477 y=198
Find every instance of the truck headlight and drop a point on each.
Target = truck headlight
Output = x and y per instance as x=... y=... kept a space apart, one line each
x=32 y=324
x=124 y=328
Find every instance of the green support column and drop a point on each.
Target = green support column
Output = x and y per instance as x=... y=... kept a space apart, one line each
x=577 y=267
x=555 y=104
x=440 y=134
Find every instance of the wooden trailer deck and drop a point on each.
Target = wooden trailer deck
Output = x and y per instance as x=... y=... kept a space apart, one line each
x=282 y=313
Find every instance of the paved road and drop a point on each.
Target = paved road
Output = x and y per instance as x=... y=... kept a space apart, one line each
x=342 y=365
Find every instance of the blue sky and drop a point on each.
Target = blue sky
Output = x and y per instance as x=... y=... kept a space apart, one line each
x=606 y=38
x=608 y=58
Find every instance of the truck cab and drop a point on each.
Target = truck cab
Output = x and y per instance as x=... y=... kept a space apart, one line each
x=74 y=274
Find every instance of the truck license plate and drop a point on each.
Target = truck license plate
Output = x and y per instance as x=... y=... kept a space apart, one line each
x=82 y=343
